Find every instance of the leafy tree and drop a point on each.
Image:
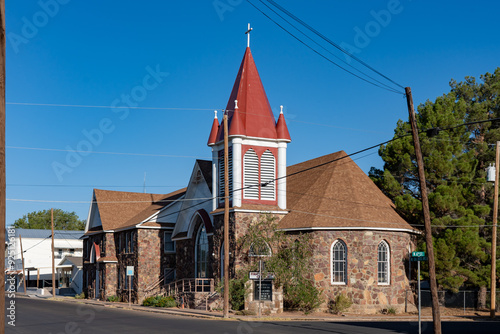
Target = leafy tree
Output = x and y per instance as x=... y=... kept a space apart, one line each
x=63 y=220
x=455 y=159
x=289 y=261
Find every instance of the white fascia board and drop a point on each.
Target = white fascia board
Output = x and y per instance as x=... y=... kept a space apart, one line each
x=156 y=227
x=386 y=229
x=90 y=212
x=99 y=232
x=253 y=211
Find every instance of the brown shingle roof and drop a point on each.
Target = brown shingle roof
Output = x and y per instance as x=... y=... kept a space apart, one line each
x=121 y=209
x=337 y=194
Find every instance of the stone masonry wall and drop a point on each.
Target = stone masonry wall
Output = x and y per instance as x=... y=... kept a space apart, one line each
x=148 y=267
x=367 y=295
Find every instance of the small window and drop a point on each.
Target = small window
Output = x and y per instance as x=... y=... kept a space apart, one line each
x=339 y=262
x=261 y=249
x=127 y=240
x=59 y=253
x=168 y=244
x=132 y=242
x=169 y=275
x=383 y=263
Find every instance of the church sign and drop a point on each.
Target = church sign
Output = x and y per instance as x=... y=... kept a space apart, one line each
x=266 y=290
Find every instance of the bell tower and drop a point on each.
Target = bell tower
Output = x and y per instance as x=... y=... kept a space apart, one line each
x=257 y=146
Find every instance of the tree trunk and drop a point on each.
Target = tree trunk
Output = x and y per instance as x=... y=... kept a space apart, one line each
x=481 y=298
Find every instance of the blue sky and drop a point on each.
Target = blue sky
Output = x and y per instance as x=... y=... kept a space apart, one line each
x=187 y=54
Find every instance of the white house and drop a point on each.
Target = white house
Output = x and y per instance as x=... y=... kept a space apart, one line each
x=37 y=248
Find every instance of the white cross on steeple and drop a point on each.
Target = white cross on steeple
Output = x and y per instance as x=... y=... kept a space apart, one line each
x=248 y=35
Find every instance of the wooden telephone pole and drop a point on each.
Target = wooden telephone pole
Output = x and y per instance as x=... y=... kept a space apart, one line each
x=2 y=164
x=427 y=217
x=226 y=219
x=53 y=260
x=493 y=286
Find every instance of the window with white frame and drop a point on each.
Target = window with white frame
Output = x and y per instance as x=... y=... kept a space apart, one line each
x=251 y=175
x=168 y=244
x=383 y=263
x=339 y=262
x=259 y=249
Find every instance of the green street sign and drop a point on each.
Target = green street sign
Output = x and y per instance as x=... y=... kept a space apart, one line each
x=418 y=258
x=417 y=254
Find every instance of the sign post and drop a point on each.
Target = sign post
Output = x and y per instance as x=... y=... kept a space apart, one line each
x=130 y=274
x=419 y=256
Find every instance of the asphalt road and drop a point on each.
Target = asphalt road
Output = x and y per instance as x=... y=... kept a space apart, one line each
x=53 y=317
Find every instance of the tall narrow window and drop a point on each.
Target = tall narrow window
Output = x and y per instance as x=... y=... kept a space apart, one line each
x=221 y=174
x=202 y=253
x=251 y=175
x=267 y=176
x=339 y=262
x=383 y=263
x=168 y=244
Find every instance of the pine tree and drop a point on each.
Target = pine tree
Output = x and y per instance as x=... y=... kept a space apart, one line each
x=455 y=159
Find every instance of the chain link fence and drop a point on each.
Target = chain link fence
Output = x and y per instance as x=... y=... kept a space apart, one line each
x=466 y=299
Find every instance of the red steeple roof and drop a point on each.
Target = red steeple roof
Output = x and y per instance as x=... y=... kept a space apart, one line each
x=281 y=128
x=254 y=115
x=213 y=133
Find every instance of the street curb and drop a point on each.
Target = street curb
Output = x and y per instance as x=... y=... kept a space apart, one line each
x=188 y=313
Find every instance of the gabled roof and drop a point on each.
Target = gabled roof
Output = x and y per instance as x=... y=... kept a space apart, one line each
x=336 y=195
x=206 y=171
x=119 y=209
x=254 y=114
x=76 y=260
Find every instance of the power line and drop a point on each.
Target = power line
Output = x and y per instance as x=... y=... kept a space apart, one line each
x=107 y=107
x=305 y=35
x=113 y=153
x=331 y=42
x=320 y=54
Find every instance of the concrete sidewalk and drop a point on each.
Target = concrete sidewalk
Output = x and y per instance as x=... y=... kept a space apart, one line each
x=288 y=316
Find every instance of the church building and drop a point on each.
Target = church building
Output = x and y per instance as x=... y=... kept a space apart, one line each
x=173 y=243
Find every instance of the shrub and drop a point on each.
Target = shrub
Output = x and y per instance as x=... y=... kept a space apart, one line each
x=303 y=296
x=80 y=296
x=113 y=299
x=340 y=304
x=237 y=292
x=390 y=311
x=160 y=301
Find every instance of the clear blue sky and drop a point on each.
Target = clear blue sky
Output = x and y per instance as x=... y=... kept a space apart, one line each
x=91 y=53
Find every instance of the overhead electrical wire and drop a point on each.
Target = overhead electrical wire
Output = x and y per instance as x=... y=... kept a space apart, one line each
x=320 y=54
x=340 y=48
x=312 y=40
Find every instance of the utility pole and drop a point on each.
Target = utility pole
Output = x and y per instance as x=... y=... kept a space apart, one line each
x=436 y=317
x=2 y=165
x=226 y=219
x=493 y=293
x=53 y=260
x=22 y=261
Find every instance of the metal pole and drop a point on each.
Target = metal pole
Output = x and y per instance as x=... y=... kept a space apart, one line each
x=464 y=302
x=436 y=317
x=226 y=218
x=494 y=236
x=260 y=287
x=53 y=259
x=419 y=301
x=129 y=291
x=22 y=261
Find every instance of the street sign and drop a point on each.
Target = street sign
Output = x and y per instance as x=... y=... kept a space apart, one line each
x=417 y=254
x=418 y=258
x=130 y=270
x=254 y=275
